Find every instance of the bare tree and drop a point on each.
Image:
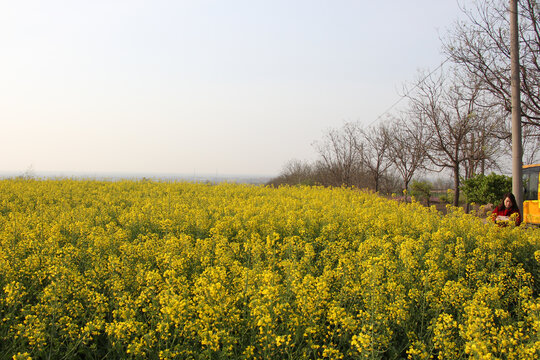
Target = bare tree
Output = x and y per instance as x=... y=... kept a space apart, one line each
x=484 y=145
x=295 y=172
x=446 y=109
x=374 y=147
x=406 y=149
x=481 y=47
x=340 y=156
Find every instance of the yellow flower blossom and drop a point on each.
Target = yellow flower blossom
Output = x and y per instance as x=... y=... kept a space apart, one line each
x=174 y=270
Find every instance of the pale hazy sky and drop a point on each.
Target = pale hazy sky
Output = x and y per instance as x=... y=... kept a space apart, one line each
x=200 y=86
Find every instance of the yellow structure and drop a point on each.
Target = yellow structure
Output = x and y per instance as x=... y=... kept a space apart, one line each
x=531 y=204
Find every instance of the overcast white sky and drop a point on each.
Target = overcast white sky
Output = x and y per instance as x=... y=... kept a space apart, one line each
x=200 y=86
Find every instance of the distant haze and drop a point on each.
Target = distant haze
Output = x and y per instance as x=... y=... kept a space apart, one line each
x=200 y=86
x=161 y=177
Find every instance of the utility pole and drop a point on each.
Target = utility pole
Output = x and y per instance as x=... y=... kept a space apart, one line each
x=517 y=152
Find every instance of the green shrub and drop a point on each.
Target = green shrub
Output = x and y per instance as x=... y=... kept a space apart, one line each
x=488 y=189
x=448 y=197
x=421 y=190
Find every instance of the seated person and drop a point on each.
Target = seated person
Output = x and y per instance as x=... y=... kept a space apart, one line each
x=507 y=207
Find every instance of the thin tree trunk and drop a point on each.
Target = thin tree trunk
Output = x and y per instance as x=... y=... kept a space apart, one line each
x=456 y=185
x=406 y=183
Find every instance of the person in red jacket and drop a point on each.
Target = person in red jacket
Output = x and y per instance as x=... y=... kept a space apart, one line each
x=507 y=207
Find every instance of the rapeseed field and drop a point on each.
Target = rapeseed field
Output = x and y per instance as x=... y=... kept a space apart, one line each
x=141 y=269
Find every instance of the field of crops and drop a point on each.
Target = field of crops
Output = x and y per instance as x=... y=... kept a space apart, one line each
x=115 y=270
